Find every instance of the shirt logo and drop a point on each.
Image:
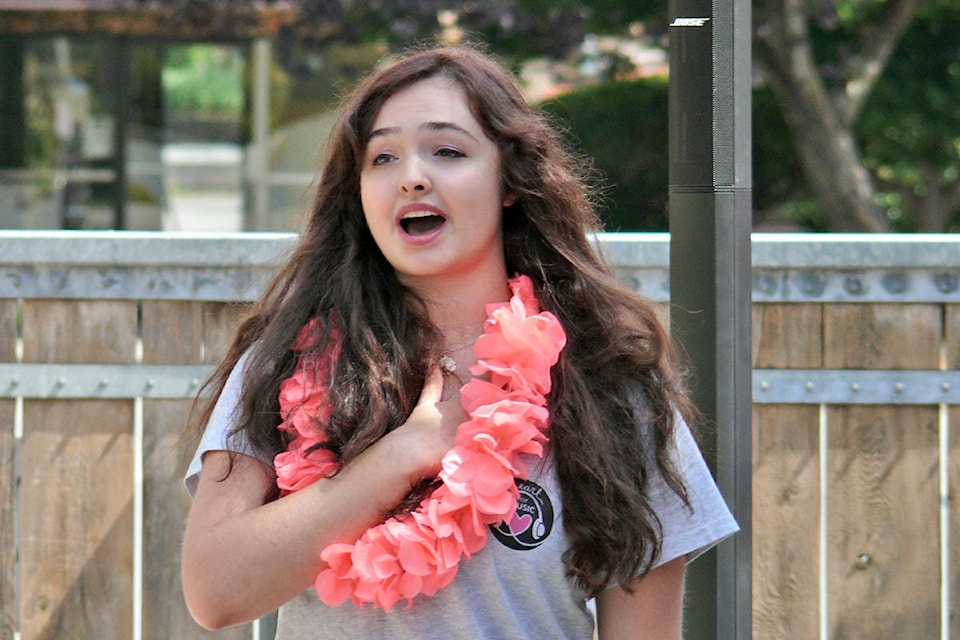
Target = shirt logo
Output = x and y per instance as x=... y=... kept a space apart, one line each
x=531 y=523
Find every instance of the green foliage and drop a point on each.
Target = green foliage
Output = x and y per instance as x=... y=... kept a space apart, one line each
x=910 y=127
x=204 y=79
x=908 y=131
x=622 y=127
x=780 y=192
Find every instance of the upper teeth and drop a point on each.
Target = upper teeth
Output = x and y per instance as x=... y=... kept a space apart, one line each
x=418 y=214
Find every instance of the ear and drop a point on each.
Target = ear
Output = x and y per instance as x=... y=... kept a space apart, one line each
x=509 y=200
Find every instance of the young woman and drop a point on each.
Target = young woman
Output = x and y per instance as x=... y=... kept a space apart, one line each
x=445 y=418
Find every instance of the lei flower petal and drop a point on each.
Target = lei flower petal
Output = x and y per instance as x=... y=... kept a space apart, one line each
x=302 y=464
x=418 y=553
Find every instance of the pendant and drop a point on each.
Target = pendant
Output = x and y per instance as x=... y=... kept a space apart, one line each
x=447 y=364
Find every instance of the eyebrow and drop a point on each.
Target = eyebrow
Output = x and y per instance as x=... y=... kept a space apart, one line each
x=427 y=126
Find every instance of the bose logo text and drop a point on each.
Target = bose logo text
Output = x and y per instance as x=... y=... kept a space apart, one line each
x=689 y=22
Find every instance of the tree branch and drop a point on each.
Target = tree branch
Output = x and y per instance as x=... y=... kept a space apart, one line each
x=876 y=44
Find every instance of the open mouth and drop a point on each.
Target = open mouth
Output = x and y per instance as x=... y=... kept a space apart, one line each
x=418 y=223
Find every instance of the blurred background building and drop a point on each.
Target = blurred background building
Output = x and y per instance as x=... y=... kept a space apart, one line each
x=123 y=118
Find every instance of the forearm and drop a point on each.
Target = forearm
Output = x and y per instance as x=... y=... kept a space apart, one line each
x=248 y=559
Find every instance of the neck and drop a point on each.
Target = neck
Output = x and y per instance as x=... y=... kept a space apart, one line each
x=458 y=307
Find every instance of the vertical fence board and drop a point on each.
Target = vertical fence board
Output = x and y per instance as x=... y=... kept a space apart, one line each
x=787 y=336
x=172 y=334
x=951 y=332
x=8 y=506
x=883 y=551
x=220 y=320
x=953 y=502
x=786 y=502
x=77 y=484
x=8 y=330
x=954 y=522
x=786 y=479
x=165 y=506
x=8 y=479
x=952 y=363
x=883 y=494
x=882 y=336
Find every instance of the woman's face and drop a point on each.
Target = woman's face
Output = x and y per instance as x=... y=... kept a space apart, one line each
x=430 y=186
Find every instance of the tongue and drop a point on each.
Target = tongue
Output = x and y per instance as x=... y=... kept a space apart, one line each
x=420 y=226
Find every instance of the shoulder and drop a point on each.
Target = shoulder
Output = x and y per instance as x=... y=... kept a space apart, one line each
x=220 y=433
x=691 y=527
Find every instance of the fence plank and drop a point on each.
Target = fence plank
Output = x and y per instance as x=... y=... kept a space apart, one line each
x=8 y=505
x=787 y=336
x=882 y=471
x=8 y=330
x=786 y=500
x=8 y=480
x=220 y=320
x=172 y=334
x=786 y=479
x=951 y=332
x=883 y=552
x=77 y=484
x=953 y=502
x=952 y=363
x=882 y=336
x=77 y=540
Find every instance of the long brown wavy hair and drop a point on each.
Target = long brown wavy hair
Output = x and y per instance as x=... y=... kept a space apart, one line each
x=617 y=381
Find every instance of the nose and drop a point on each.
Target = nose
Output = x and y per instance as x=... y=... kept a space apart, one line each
x=415 y=179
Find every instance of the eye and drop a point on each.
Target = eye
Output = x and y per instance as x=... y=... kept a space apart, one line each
x=448 y=152
x=380 y=159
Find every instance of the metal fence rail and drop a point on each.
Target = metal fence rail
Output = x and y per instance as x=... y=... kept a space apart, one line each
x=173 y=266
x=788 y=268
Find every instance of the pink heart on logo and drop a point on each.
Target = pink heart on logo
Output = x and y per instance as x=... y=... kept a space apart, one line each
x=521 y=523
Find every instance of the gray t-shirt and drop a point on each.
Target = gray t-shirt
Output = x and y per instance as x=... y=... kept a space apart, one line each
x=516 y=586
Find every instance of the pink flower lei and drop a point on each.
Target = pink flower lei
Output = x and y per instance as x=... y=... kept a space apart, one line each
x=418 y=552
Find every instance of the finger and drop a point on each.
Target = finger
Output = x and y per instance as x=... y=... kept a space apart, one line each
x=432 y=387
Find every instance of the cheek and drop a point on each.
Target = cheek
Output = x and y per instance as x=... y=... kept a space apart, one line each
x=371 y=200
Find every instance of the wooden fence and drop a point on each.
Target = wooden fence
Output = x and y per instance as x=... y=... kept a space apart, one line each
x=104 y=339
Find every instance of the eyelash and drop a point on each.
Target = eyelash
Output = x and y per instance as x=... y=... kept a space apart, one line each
x=448 y=152
x=442 y=152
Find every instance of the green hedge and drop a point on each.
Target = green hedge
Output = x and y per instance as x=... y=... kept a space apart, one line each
x=622 y=128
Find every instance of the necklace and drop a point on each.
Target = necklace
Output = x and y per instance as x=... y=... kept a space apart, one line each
x=418 y=553
x=446 y=362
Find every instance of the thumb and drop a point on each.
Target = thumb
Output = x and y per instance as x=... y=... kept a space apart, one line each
x=432 y=387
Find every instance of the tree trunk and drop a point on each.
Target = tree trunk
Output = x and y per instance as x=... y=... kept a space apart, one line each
x=822 y=123
x=830 y=158
x=938 y=203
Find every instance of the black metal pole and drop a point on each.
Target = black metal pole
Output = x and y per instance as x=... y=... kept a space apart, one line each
x=13 y=137
x=710 y=280
x=121 y=76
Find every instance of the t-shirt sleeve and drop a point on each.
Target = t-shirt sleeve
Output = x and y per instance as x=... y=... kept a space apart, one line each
x=217 y=435
x=690 y=530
